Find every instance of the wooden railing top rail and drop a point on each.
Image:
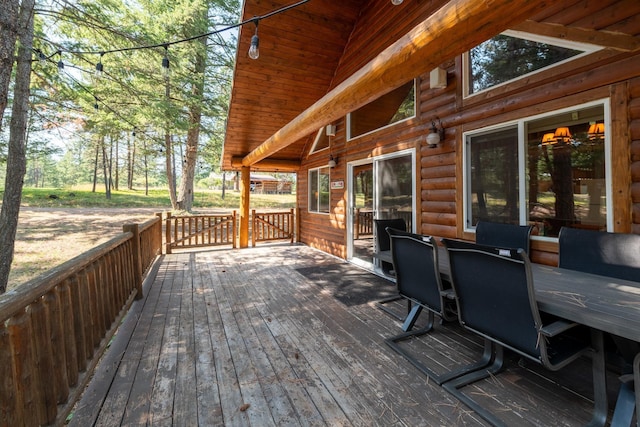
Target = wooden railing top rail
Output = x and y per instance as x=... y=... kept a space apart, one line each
x=16 y=299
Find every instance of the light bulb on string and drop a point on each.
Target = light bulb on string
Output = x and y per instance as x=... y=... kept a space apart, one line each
x=42 y=58
x=95 y=105
x=60 y=63
x=254 y=51
x=165 y=63
x=99 y=67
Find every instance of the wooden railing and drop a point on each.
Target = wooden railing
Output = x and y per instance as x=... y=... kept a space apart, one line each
x=53 y=329
x=363 y=223
x=269 y=226
x=194 y=231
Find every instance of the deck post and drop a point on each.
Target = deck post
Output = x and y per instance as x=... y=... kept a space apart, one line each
x=245 y=190
x=159 y=236
x=137 y=261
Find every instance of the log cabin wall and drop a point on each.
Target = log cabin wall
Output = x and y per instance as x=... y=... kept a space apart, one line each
x=606 y=73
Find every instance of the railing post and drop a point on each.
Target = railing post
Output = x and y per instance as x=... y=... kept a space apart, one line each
x=297 y=224
x=167 y=234
x=137 y=262
x=253 y=228
x=159 y=236
x=292 y=224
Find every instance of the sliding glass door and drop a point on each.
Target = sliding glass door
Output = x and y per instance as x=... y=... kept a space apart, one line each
x=378 y=188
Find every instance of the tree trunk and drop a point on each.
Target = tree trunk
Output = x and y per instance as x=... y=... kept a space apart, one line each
x=105 y=168
x=114 y=163
x=8 y=36
x=169 y=157
x=185 y=193
x=16 y=157
x=95 y=169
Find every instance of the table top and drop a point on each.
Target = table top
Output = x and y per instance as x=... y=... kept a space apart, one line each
x=605 y=303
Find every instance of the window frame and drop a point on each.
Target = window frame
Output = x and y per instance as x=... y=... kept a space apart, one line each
x=310 y=192
x=415 y=114
x=321 y=132
x=585 y=47
x=522 y=163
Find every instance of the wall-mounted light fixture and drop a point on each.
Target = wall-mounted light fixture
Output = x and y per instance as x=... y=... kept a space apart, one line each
x=438 y=78
x=331 y=130
x=436 y=134
x=333 y=161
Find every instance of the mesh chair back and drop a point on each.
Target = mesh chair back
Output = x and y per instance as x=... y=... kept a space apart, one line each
x=599 y=252
x=415 y=259
x=495 y=296
x=382 y=238
x=503 y=235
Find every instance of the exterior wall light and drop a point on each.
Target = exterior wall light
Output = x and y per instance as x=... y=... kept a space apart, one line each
x=436 y=135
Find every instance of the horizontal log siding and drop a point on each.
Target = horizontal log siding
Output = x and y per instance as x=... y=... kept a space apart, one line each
x=634 y=136
x=606 y=73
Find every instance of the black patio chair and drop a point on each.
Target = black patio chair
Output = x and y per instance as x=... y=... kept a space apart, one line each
x=415 y=259
x=383 y=244
x=503 y=235
x=382 y=241
x=612 y=255
x=496 y=300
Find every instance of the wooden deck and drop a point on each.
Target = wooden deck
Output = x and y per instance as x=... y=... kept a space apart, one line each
x=261 y=337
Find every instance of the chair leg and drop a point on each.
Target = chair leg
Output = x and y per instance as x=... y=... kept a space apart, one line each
x=625 y=403
x=381 y=306
x=413 y=315
x=455 y=385
x=394 y=343
x=636 y=386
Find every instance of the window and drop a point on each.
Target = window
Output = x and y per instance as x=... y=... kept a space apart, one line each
x=549 y=171
x=319 y=190
x=395 y=106
x=512 y=54
x=321 y=142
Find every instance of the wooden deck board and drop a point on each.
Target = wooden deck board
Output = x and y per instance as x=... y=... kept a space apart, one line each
x=240 y=338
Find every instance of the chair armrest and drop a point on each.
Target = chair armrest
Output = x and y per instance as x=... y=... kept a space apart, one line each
x=448 y=294
x=557 y=327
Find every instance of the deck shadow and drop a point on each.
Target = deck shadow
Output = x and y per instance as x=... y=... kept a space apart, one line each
x=349 y=284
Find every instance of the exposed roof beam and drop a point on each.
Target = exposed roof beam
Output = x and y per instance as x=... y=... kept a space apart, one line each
x=457 y=27
x=272 y=165
x=607 y=39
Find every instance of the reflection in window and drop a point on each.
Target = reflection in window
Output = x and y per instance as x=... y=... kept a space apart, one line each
x=565 y=181
x=493 y=160
x=566 y=160
x=319 y=190
x=390 y=108
x=505 y=58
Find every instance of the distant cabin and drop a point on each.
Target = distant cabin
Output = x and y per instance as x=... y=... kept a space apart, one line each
x=268 y=184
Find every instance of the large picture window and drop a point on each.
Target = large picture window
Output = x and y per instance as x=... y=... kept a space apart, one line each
x=319 y=190
x=512 y=54
x=548 y=171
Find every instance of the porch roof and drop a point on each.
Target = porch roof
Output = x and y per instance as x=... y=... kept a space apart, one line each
x=305 y=55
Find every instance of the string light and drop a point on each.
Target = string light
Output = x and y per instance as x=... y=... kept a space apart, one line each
x=95 y=105
x=165 y=62
x=60 y=63
x=254 y=51
x=99 y=66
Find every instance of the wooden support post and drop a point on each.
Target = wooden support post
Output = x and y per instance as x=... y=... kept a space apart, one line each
x=253 y=228
x=137 y=261
x=159 y=236
x=167 y=234
x=245 y=190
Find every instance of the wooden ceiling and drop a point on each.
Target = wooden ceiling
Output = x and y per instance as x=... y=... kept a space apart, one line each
x=310 y=49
